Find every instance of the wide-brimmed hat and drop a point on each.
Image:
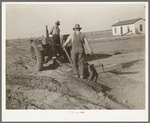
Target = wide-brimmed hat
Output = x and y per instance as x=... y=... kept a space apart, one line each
x=77 y=26
x=57 y=22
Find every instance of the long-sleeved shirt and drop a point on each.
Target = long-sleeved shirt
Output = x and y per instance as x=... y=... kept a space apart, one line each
x=71 y=37
x=55 y=30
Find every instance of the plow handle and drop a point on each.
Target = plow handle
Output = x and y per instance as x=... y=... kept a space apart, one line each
x=67 y=55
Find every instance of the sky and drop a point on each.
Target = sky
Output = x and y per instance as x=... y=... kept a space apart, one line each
x=26 y=20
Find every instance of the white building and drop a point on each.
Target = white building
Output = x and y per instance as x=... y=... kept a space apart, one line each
x=134 y=26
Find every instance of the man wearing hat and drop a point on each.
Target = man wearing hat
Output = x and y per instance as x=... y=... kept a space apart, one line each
x=55 y=31
x=78 y=40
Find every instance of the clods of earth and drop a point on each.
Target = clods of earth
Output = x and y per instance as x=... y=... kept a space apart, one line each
x=55 y=88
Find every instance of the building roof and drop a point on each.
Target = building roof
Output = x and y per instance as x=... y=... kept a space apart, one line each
x=127 y=22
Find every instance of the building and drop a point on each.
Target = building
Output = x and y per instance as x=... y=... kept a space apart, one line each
x=134 y=26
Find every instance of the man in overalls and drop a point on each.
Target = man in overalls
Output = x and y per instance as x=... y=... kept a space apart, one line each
x=55 y=31
x=78 y=40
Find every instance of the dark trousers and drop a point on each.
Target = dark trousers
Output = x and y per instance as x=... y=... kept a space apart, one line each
x=56 y=49
x=78 y=62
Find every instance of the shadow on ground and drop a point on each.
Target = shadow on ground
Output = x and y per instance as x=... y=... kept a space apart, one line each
x=129 y=64
x=96 y=56
x=119 y=72
x=105 y=88
x=52 y=66
x=88 y=57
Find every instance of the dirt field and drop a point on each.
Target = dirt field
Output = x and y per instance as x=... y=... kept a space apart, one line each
x=54 y=88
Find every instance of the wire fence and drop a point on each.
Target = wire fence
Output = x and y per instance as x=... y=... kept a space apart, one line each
x=98 y=34
x=18 y=42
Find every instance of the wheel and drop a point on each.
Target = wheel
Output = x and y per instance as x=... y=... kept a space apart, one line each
x=36 y=57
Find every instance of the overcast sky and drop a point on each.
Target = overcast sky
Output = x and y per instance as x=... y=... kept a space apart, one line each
x=29 y=20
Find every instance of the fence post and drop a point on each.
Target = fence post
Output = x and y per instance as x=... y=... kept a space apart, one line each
x=19 y=42
x=92 y=35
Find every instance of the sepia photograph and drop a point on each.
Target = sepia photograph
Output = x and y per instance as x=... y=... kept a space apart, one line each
x=75 y=61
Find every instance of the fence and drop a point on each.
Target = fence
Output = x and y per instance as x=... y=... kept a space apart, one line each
x=17 y=42
x=89 y=35
x=98 y=34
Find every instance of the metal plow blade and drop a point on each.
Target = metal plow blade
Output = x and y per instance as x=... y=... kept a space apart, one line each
x=113 y=67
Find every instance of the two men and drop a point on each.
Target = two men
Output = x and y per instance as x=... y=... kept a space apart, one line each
x=78 y=40
x=55 y=31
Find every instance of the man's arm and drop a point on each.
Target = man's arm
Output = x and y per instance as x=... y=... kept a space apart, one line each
x=87 y=45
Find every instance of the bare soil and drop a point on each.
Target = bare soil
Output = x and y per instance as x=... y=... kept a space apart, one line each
x=55 y=88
